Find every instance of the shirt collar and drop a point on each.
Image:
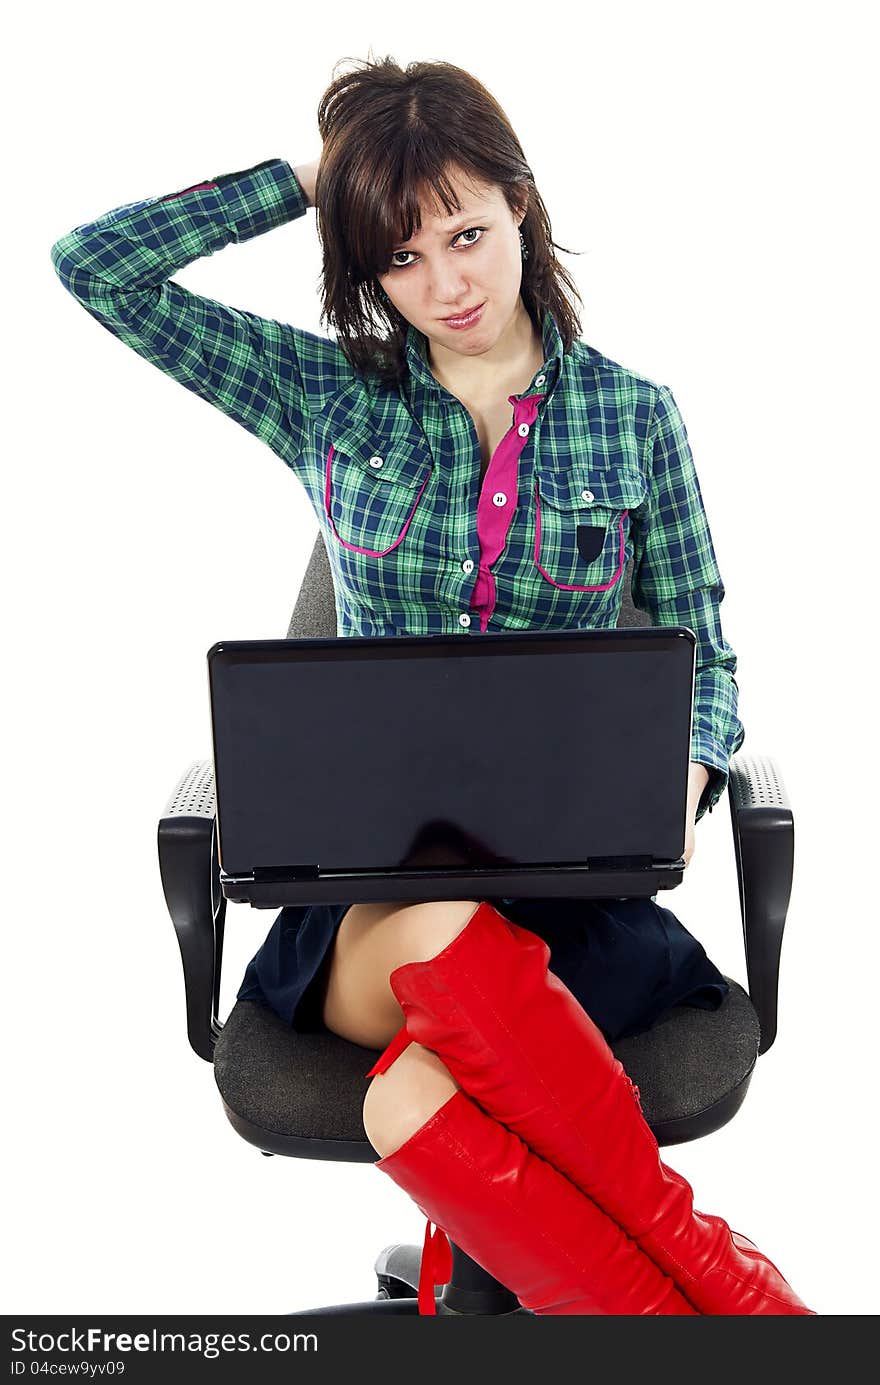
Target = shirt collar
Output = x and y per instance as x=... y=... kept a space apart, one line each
x=417 y=358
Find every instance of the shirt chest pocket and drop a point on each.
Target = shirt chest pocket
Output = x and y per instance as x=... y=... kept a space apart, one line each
x=372 y=492
x=581 y=525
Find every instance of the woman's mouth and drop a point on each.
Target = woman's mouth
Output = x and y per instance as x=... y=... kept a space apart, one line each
x=468 y=320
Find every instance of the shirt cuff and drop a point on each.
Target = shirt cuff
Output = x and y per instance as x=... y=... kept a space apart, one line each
x=705 y=752
x=259 y=199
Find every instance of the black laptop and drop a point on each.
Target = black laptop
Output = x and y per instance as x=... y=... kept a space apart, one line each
x=523 y=763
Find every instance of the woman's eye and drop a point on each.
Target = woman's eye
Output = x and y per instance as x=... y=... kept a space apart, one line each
x=470 y=231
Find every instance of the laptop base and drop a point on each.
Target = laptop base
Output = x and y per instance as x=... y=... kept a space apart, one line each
x=360 y=887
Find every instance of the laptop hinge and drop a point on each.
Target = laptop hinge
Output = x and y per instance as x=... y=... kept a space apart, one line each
x=621 y=863
x=268 y=875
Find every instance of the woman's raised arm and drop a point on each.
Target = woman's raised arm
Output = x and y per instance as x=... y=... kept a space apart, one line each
x=264 y=374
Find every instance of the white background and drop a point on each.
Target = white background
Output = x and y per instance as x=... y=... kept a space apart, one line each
x=713 y=167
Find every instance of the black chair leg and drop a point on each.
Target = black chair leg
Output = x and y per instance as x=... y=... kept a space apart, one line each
x=473 y=1290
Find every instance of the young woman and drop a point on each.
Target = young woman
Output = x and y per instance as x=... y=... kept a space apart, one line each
x=473 y=466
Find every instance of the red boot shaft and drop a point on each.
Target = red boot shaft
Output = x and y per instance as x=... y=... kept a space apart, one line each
x=517 y=1041
x=522 y=1221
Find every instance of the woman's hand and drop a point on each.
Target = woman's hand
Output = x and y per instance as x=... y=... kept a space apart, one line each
x=698 y=778
x=307 y=175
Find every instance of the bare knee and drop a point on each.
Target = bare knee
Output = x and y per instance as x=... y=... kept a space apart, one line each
x=423 y=929
x=371 y=942
x=400 y=1100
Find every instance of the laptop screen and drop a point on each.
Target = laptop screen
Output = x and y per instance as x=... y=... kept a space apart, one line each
x=517 y=749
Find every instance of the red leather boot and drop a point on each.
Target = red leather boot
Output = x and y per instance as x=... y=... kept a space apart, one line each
x=521 y=1220
x=518 y=1042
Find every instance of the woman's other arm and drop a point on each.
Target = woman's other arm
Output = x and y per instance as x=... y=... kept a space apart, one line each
x=677 y=582
x=264 y=374
x=698 y=778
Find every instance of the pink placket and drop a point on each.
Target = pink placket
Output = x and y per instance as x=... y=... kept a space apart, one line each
x=497 y=504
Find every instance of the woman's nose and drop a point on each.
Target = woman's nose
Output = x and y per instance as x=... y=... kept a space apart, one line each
x=450 y=292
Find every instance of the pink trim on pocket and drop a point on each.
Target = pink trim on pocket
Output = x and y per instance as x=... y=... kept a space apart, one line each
x=371 y=552
x=566 y=586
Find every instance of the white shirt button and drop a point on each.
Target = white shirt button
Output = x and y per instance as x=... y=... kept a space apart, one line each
x=523 y=430
x=540 y=380
x=499 y=499
x=467 y=565
x=464 y=620
x=588 y=496
x=376 y=462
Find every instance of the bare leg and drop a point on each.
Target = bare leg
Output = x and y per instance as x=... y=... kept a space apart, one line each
x=416 y=1085
x=371 y=941
x=360 y=1006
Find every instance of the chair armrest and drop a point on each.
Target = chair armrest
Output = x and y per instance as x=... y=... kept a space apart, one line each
x=190 y=871
x=763 y=837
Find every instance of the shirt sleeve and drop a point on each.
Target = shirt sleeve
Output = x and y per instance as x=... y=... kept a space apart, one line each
x=264 y=374
x=677 y=582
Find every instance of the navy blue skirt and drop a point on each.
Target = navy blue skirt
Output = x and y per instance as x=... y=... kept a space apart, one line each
x=627 y=961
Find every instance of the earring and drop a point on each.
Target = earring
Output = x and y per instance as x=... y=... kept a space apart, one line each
x=523 y=247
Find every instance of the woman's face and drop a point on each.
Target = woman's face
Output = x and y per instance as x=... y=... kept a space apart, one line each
x=455 y=263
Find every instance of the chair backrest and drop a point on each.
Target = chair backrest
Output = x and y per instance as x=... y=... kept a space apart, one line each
x=314 y=614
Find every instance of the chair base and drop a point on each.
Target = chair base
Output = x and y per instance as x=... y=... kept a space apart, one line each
x=387 y=1305
x=471 y=1290
x=391 y=1305
x=397 y=1273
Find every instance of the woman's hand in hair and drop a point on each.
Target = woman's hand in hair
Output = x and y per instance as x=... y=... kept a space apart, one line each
x=307 y=175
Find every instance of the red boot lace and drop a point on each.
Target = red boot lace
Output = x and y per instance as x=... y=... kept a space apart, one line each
x=436 y=1267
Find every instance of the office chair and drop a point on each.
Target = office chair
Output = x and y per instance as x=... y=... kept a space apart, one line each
x=302 y=1095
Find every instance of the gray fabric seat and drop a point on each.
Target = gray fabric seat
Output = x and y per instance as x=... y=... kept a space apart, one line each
x=301 y=1094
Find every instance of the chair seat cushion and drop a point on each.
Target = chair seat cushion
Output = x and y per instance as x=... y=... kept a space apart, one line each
x=302 y=1093
x=693 y=1066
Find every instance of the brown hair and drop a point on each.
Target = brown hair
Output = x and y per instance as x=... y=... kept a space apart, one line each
x=387 y=133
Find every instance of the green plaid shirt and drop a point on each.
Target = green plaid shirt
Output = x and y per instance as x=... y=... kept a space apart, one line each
x=595 y=470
